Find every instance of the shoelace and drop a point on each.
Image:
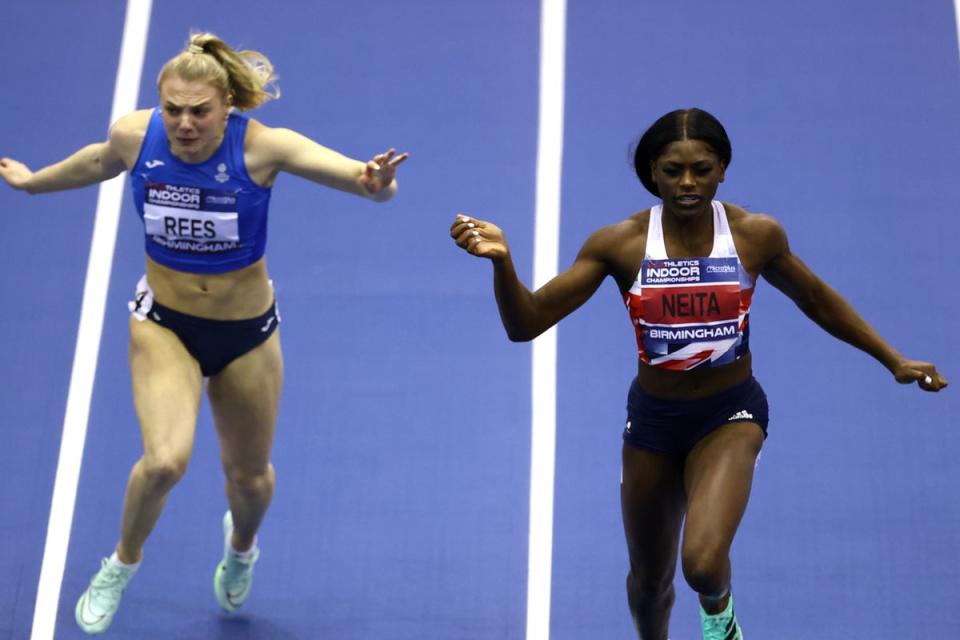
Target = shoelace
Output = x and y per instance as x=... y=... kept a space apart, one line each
x=718 y=627
x=718 y=623
x=107 y=586
x=237 y=572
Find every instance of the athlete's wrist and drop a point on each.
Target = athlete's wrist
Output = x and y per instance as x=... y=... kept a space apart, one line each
x=382 y=194
x=892 y=360
x=29 y=185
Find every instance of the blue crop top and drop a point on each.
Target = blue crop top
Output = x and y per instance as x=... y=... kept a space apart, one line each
x=209 y=217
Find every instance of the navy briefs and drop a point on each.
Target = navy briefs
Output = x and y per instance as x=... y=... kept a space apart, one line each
x=216 y=343
x=675 y=426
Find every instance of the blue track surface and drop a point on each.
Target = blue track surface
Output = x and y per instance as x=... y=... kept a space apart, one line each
x=403 y=445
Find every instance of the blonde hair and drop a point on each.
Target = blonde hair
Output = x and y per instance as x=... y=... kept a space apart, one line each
x=246 y=77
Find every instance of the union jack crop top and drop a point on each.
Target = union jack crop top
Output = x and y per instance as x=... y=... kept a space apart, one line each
x=691 y=312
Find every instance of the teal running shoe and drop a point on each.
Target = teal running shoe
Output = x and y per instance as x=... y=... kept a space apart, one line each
x=722 y=626
x=234 y=575
x=98 y=604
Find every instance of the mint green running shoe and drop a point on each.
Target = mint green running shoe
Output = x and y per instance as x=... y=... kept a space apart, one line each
x=234 y=576
x=722 y=626
x=98 y=604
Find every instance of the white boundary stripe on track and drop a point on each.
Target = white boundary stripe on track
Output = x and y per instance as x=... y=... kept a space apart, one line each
x=956 y=14
x=544 y=375
x=126 y=91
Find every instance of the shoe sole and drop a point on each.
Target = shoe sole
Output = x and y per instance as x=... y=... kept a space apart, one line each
x=91 y=629
x=222 y=598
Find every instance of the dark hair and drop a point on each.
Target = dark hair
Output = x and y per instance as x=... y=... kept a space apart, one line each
x=682 y=124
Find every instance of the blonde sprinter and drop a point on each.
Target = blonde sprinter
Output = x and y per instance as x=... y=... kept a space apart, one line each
x=201 y=175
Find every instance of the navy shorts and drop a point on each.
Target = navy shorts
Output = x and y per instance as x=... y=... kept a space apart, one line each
x=216 y=343
x=675 y=426
x=213 y=343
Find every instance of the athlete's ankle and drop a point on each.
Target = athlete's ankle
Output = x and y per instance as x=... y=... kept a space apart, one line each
x=714 y=606
x=122 y=558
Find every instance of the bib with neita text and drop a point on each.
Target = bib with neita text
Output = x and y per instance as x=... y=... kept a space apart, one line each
x=689 y=312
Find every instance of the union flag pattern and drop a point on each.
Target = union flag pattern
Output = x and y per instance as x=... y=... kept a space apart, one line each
x=689 y=312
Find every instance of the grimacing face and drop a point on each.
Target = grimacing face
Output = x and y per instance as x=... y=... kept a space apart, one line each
x=194 y=117
x=688 y=173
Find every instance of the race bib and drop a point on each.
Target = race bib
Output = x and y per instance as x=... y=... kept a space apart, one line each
x=190 y=218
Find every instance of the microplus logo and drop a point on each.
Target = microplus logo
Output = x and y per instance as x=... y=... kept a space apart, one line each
x=721 y=268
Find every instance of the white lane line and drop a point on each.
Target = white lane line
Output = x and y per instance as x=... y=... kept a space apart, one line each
x=546 y=252
x=132 y=48
x=956 y=14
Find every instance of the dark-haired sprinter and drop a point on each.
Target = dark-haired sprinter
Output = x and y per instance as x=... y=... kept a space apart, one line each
x=202 y=175
x=696 y=417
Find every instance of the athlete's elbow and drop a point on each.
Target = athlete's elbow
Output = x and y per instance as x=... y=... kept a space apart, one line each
x=811 y=299
x=521 y=333
x=819 y=306
x=519 y=336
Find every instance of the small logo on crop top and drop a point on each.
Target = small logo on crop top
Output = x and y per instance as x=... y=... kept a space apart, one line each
x=721 y=268
x=152 y=164
x=741 y=415
x=222 y=176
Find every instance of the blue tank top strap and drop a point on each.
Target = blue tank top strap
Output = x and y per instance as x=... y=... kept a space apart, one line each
x=234 y=137
x=150 y=138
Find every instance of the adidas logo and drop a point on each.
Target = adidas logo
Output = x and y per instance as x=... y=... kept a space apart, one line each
x=743 y=414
